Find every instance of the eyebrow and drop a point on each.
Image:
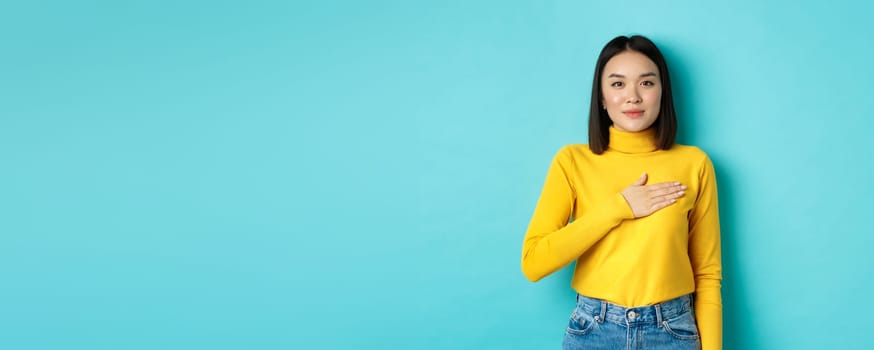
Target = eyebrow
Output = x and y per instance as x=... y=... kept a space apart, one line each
x=615 y=75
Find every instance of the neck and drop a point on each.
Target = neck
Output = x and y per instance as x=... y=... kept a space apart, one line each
x=632 y=142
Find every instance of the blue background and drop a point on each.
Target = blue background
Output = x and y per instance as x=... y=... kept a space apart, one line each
x=327 y=175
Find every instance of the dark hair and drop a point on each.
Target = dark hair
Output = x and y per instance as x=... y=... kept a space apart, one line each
x=599 y=121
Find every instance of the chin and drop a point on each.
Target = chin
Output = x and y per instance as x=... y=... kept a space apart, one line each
x=633 y=127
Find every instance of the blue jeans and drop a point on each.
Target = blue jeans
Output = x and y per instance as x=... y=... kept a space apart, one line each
x=597 y=324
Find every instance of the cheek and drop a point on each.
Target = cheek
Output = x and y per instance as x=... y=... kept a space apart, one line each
x=655 y=95
x=613 y=99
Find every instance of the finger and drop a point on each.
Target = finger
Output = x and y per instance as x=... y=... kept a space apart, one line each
x=669 y=196
x=641 y=180
x=663 y=185
x=666 y=191
x=661 y=204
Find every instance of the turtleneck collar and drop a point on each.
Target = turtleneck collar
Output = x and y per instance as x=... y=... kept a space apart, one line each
x=632 y=142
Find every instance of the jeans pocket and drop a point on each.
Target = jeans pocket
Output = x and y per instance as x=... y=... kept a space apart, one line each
x=682 y=327
x=580 y=323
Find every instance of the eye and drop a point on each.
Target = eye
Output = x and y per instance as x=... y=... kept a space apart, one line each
x=647 y=83
x=616 y=84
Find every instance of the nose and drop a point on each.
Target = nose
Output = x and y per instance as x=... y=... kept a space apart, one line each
x=633 y=97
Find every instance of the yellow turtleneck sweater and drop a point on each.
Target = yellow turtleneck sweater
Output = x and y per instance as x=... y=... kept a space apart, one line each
x=627 y=261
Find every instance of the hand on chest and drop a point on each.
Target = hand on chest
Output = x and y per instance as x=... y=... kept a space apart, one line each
x=608 y=180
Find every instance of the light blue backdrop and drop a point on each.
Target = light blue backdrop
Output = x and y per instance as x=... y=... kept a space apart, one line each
x=332 y=175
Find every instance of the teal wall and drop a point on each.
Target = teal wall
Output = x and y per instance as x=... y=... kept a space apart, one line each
x=328 y=175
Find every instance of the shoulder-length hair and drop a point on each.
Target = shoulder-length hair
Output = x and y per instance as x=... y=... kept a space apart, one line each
x=599 y=121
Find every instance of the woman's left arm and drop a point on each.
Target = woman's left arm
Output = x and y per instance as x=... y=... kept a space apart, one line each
x=705 y=256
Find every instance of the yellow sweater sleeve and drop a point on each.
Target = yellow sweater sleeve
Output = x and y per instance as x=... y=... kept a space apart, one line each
x=705 y=256
x=550 y=242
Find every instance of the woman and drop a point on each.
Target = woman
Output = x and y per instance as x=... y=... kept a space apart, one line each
x=636 y=212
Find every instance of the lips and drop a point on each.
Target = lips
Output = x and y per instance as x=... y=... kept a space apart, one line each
x=633 y=113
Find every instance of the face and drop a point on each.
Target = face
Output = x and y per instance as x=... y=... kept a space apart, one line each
x=631 y=91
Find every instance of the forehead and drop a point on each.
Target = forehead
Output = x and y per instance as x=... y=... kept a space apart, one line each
x=630 y=64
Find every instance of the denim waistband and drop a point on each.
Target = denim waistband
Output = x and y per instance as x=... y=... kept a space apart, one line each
x=604 y=310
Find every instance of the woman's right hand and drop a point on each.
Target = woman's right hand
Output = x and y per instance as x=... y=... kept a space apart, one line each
x=647 y=199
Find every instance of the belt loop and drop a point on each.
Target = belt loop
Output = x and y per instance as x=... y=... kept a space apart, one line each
x=658 y=308
x=603 y=310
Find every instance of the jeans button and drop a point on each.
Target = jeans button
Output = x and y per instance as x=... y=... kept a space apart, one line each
x=632 y=315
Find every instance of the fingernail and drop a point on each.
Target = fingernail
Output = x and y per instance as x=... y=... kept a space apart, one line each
x=682 y=193
x=683 y=187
